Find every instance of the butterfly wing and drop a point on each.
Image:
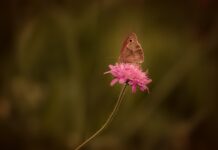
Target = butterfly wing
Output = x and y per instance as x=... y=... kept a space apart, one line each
x=131 y=51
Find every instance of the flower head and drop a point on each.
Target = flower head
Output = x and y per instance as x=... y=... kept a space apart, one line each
x=131 y=74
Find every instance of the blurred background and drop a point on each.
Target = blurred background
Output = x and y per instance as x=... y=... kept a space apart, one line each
x=53 y=94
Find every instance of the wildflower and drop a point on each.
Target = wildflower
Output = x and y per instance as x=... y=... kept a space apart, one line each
x=127 y=72
x=131 y=74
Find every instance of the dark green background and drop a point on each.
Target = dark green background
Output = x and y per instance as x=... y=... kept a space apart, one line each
x=53 y=93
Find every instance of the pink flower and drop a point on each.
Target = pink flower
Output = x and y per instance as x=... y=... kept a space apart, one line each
x=130 y=74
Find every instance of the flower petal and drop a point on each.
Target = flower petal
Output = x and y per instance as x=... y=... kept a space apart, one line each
x=114 y=81
x=121 y=81
x=134 y=88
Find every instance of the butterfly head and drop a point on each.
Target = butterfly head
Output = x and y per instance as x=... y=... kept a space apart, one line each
x=131 y=41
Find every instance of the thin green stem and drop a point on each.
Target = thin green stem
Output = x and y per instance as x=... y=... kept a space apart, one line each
x=110 y=118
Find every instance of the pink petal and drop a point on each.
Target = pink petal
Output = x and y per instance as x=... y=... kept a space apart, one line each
x=147 y=90
x=107 y=72
x=121 y=81
x=111 y=66
x=114 y=81
x=134 y=88
x=142 y=89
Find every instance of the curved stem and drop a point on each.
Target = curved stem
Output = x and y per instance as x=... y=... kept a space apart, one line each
x=110 y=118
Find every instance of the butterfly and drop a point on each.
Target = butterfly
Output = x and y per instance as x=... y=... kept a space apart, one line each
x=131 y=51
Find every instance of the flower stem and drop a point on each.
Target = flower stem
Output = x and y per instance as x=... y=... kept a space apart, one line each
x=110 y=118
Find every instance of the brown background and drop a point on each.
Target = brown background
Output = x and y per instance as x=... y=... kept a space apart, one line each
x=53 y=93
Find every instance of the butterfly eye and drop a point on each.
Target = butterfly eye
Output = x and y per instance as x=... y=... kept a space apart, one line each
x=130 y=40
